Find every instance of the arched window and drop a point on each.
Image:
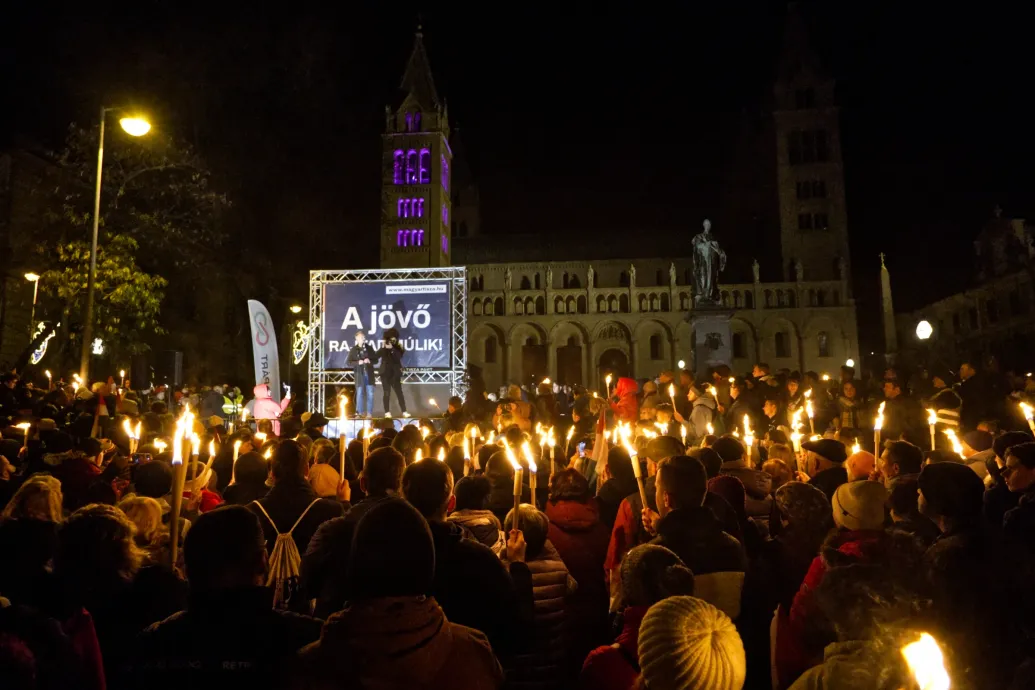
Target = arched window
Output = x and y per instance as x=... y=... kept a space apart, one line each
x=445 y=173
x=526 y=284
x=612 y=303
x=724 y=297
x=739 y=349
x=398 y=167
x=411 y=166
x=573 y=281
x=530 y=341
x=519 y=306
x=653 y=302
x=488 y=310
x=409 y=122
x=537 y=284
x=658 y=277
x=490 y=349
x=782 y=345
x=529 y=306
x=540 y=305
x=558 y=305
x=623 y=304
x=664 y=302
x=623 y=279
x=573 y=341
x=476 y=308
x=749 y=300
x=837 y=298
x=580 y=304
x=823 y=344
x=655 y=347
x=569 y=305
x=497 y=306
x=768 y=299
x=643 y=302
x=821 y=298
x=564 y=280
x=416 y=122
x=601 y=304
x=425 y=166
x=792 y=298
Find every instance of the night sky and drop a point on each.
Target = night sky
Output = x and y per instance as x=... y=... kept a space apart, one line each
x=583 y=123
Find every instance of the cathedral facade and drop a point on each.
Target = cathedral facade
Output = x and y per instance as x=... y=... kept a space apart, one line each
x=533 y=314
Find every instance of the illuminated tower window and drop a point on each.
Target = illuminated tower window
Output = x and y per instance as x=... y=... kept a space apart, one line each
x=425 y=167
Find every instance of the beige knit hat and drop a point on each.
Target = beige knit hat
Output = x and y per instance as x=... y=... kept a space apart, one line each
x=686 y=644
x=859 y=505
x=324 y=479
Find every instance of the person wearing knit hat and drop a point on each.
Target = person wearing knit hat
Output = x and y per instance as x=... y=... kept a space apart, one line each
x=859 y=505
x=324 y=479
x=951 y=495
x=688 y=644
x=803 y=504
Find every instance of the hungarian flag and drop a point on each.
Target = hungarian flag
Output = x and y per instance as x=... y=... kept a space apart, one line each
x=600 y=448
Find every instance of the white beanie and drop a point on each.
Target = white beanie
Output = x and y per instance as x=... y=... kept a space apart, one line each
x=688 y=644
x=859 y=505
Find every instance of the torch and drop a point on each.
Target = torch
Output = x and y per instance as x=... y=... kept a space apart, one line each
x=50 y=380
x=809 y=412
x=567 y=441
x=467 y=457
x=24 y=426
x=183 y=426
x=233 y=465
x=932 y=420
x=957 y=447
x=1027 y=410
x=749 y=437
x=366 y=444
x=441 y=453
x=682 y=433
x=517 y=486
x=672 y=394
x=342 y=404
x=607 y=386
x=533 y=471
x=637 y=471
x=926 y=663
x=552 y=445
x=878 y=424
x=130 y=436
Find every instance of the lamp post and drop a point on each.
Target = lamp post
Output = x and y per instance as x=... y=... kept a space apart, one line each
x=35 y=280
x=137 y=127
x=294 y=309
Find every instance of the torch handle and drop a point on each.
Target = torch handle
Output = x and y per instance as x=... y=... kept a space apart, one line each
x=643 y=491
x=179 y=477
x=341 y=455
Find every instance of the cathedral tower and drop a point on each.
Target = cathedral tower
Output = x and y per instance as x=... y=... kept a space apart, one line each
x=810 y=174
x=416 y=160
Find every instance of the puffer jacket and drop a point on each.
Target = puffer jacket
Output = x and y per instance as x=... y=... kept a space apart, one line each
x=484 y=526
x=757 y=485
x=542 y=666
x=396 y=644
x=263 y=406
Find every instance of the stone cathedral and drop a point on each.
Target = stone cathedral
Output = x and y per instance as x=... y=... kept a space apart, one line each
x=540 y=310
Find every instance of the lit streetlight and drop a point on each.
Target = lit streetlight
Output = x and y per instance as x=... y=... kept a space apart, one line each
x=924 y=329
x=134 y=126
x=33 y=278
x=849 y=362
x=295 y=309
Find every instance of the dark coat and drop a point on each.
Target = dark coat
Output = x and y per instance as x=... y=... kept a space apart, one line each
x=364 y=372
x=829 y=479
x=582 y=540
x=610 y=497
x=225 y=639
x=285 y=502
x=391 y=362
x=1019 y=522
x=716 y=558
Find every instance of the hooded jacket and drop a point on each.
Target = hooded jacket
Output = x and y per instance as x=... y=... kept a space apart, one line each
x=626 y=408
x=263 y=406
x=403 y=643
x=484 y=526
x=612 y=667
x=701 y=414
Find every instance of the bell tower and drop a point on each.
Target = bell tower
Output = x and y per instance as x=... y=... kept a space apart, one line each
x=810 y=172
x=416 y=210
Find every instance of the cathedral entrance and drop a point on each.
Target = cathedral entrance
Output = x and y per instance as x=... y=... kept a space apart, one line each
x=614 y=362
x=533 y=361
x=569 y=363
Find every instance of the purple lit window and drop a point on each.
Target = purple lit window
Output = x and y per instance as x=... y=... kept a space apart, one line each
x=420 y=238
x=445 y=174
x=411 y=167
x=445 y=215
x=409 y=207
x=419 y=206
x=397 y=167
x=402 y=208
x=416 y=122
x=409 y=122
x=445 y=244
x=425 y=166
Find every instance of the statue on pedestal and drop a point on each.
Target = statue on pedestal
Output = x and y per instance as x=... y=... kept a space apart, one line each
x=589 y=277
x=755 y=269
x=709 y=261
x=672 y=274
x=507 y=279
x=549 y=278
x=799 y=271
x=632 y=275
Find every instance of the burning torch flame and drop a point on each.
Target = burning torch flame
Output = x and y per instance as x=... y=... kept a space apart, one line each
x=526 y=450
x=710 y=429
x=442 y=453
x=957 y=447
x=932 y=416
x=878 y=423
x=1026 y=409
x=926 y=663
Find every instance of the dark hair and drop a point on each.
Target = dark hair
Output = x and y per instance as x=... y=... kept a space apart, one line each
x=499 y=465
x=326 y=455
x=158 y=407
x=379 y=442
x=289 y=461
x=427 y=486
x=1025 y=454
x=909 y=458
x=709 y=458
x=569 y=485
x=455 y=401
x=407 y=441
x=392 y=554
x=1004 y=442
x=251 y=468
x=455 y=460
x=485 y=453
x=90 y=447
x=619 y=464
x=472 y=493
x=903 y=496
x=383 y=471
x=763 y=367
x=776 y=435
x=227 y=541
x=685 y=481
x=534 y=525
x=153 y=479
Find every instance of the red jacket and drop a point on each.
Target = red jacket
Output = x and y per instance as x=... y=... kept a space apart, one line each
x=626 y=409
x=611 y=667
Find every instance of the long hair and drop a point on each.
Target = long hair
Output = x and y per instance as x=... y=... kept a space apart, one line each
x=39 y=498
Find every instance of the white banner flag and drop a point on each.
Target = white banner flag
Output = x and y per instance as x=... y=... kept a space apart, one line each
x=264 y=348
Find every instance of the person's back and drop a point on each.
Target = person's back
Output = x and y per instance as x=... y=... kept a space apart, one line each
x=394 y=634
x=230 y=636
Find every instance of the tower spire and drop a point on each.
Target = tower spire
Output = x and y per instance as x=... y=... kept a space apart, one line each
x=417 y=81
x=888 y=309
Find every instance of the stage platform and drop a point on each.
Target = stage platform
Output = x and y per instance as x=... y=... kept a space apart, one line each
x=353 y=427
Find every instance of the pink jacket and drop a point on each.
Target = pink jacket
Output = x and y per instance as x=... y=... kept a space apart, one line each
x=265 y=408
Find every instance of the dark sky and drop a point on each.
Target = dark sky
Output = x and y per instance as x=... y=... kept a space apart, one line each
x=612 y=120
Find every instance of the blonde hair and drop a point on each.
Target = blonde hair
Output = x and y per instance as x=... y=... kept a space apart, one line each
x=146 y=515
x=779 y=451
x=39 y=498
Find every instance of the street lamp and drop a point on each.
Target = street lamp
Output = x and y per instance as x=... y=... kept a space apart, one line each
x=35 y=280
x=295 y=309
x=137 y=127
x=849 y=362
x=924 y=329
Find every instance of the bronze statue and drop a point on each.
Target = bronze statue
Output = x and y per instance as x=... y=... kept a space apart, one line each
x=709 y=261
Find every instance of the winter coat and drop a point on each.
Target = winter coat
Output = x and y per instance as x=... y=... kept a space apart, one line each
x=616 y=666
x=484 y=526
x=26 y=578
x=850 y=665
x=542 y=666
x=716 y=558
x=701 y=415
x=225 y=639
x=211 y=405
x=243 y=494
x=263 y=406
x=53 y=652
x=581 y=540
x=1019 y=522
x=799 y=645
x=404 y=643
x=391 y=362
x=829 y=479
x=285 y=502
x=757 y=486
x=851 y=412
x=610 y=498
x=476 y=589
x=626 y=408
x=364 y=372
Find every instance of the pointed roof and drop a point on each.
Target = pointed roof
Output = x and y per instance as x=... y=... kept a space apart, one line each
x=798 y=56
x=417 y=81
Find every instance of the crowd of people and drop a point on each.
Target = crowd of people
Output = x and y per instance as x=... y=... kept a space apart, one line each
x=735 y=531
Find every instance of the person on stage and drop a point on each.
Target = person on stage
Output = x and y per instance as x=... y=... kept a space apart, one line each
x=362 y=357
x=391 y=354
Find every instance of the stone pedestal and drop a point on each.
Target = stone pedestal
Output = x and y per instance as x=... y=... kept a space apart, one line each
x=713 y=338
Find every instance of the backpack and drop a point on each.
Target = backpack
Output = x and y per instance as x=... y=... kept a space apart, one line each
x=284 y=561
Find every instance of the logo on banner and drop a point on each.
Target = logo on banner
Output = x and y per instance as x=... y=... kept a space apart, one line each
x=262 y=336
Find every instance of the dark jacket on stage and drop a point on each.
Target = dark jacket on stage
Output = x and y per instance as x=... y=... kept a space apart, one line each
x=391 y=362
x=364 y=372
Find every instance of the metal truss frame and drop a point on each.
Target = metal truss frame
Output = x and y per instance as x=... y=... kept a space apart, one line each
x=320 y=379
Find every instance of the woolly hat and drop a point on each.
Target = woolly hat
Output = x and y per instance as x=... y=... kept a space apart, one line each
x=651 y=573
x=729 y=449
x=952 y=490
x=1003 y=442
x=980 y=441
x=324 y=479
x=803 y=504
x=686 y=644
x=859 y=505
